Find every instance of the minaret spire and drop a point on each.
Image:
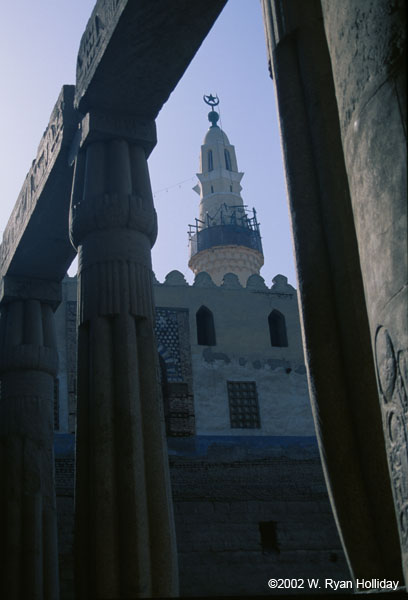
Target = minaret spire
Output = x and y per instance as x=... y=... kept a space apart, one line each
x=212 y=101
x=225 y=238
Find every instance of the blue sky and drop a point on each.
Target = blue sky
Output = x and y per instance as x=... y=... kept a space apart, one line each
x=38 y=47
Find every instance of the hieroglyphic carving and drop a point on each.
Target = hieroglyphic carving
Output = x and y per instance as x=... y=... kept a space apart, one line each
x=42 y=165
x=392 y=377
x=100 y=27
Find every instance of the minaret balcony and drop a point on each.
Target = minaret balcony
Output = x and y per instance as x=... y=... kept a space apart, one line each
x=224 y=235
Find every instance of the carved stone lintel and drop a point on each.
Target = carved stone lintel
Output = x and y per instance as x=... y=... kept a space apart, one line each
x=27 y=242
x=132 y=54
x=95 y=39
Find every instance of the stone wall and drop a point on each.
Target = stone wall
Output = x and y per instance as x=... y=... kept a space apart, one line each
x=64 y=481
x=225 y=491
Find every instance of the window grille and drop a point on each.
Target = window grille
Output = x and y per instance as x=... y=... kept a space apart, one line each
x=243 y=404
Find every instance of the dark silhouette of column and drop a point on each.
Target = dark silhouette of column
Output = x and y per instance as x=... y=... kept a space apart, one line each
x=367 y=45
x=124 y=530
x=333 y=307
x=28 y=523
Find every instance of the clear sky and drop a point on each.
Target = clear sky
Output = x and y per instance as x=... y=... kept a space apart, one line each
x=38 y=47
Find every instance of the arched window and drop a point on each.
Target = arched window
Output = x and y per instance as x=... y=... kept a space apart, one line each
x=205 y=327
x=227 y=160
x=277 y=329
x=210 y=161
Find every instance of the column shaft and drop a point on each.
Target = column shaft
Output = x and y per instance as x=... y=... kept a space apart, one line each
x=332 y=304
x=28 y=536
x=371 y=95
x=125 y=542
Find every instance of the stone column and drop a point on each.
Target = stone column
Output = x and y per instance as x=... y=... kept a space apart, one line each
x=333 y=309
x=28 y=363
x=367 y=44
x=124 y=530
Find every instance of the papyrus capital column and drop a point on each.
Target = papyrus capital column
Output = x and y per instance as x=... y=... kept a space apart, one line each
x=125 y=542
x=28 y=366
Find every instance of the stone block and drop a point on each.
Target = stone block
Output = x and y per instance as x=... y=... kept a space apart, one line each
x=125 y=42
x=35 y=241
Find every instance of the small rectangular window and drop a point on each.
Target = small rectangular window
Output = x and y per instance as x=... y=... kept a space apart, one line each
x=227 y=160
x=210 y=161
x=243 y=404
x=269 y=537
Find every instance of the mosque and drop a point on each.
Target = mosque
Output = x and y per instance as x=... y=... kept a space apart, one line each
x=248 y=489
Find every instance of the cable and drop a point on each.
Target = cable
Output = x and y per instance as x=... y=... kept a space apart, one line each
x=173 y=185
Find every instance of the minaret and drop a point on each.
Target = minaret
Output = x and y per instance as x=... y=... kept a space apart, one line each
x=225 y=237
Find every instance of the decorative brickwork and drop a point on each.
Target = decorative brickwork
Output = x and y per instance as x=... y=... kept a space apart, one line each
x=179 y=410
x=64 y=474
x=167 y=334
x=173 y=344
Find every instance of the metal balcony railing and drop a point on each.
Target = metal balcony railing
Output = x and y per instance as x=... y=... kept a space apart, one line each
x=232 y=228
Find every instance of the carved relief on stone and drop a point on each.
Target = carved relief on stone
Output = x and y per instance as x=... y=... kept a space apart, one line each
x=392 y=378
x=48 y=150
x=28 y=365
x=102 y=125
x=113 y=224
x=100 y=27
x=28 y=340
x=128 y=204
